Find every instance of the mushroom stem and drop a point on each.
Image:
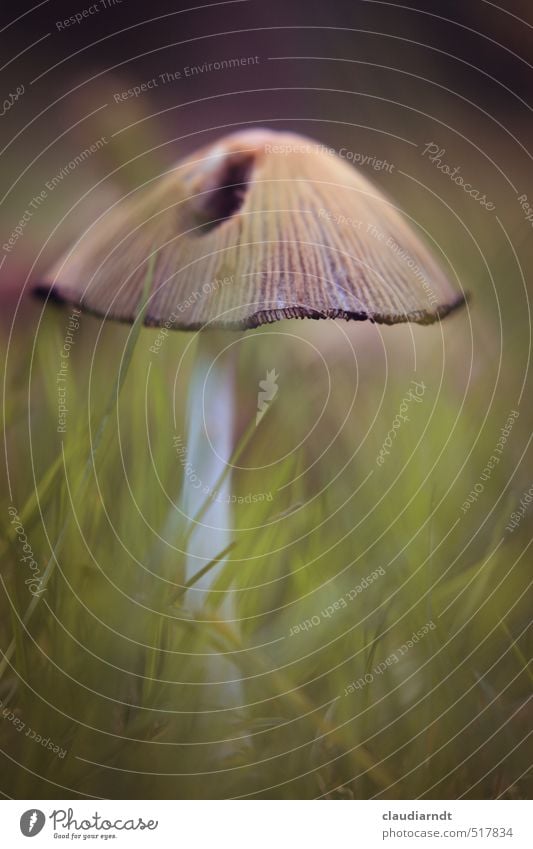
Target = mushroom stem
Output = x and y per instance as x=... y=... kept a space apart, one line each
x=207 y=486
x=210 y=443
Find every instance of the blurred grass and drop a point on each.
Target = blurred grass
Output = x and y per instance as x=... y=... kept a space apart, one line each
x=117 y=665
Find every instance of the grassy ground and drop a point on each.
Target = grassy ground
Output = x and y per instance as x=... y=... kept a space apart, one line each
x=123 y=668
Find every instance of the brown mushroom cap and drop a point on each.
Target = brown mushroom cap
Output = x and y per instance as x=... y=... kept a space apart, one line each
x=257 y=227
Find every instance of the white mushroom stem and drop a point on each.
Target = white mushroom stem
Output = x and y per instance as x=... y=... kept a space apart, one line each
x=207 y=486
x=210 y=443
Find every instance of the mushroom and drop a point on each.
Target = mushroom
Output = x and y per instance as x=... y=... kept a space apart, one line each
x=300 y=233
x=257 y=227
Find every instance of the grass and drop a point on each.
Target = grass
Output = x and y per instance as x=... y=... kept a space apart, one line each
x=121 y=664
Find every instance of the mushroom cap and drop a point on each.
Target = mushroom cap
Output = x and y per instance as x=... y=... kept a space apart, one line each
x=259 y=226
